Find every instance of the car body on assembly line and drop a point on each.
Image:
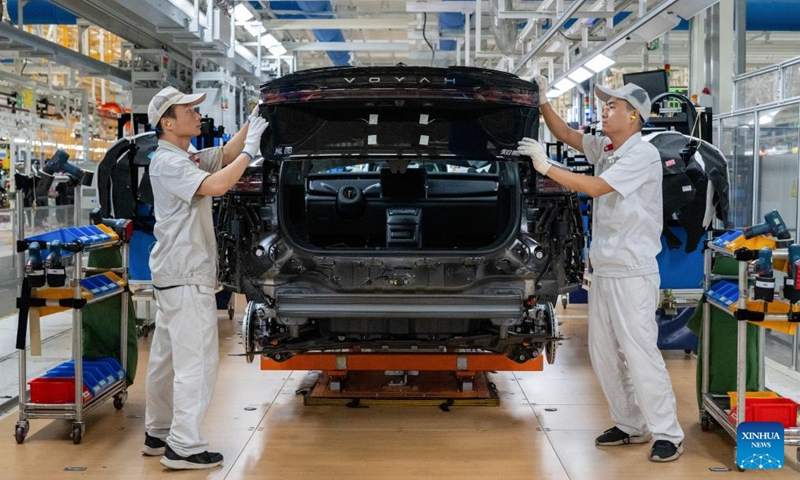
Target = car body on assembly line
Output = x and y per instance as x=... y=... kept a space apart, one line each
x=391 y=211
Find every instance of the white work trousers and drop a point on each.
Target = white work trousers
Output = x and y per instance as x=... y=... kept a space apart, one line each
x=622 y=346
x=182 y=369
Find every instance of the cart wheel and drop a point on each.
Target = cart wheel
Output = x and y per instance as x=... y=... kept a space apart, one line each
x=797 y=454
x=20 y=433
x=231 y=313
x=705 y=424
x=77 y=433
x=119 y=400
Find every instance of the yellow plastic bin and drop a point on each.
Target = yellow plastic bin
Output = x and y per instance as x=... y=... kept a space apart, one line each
x=735 y=396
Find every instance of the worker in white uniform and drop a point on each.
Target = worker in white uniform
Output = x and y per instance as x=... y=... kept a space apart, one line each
x=626 y=232
x=184 y=354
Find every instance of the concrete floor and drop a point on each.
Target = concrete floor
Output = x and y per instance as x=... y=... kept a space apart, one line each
x=544 y=428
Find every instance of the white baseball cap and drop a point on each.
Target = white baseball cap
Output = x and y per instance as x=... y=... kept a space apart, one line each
x=631 y=93
x=168 y=97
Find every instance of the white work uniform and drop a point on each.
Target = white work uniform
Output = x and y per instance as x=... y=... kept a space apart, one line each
x=184 y=354
x=626 y=237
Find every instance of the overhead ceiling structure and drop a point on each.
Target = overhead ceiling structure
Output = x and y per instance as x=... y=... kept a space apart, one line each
x=515 y=35
x=259 y=39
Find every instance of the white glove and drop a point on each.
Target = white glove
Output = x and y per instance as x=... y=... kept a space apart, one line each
x=541 y=82
x=254 y=113
x=252 y=143
x=534 y=149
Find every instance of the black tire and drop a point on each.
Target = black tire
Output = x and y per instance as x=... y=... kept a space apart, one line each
x=705 y=424
x=119 y=400
x=77 y=434
x=19 y=434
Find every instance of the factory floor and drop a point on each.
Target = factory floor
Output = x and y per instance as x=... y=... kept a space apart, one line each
x=544 y=428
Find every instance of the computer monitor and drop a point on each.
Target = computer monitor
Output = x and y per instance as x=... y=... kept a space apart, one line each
x=653 y=82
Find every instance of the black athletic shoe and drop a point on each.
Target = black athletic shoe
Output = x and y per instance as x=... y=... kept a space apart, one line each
x=665 y=451
x=153 y=446
x=197 y=461
x=615 y=436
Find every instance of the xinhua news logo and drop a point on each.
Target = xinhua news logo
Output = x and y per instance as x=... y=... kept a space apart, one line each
x=759 y=445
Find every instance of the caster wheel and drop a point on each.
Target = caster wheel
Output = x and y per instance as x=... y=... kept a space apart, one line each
x=797 y=454
x=119 y=400
x=705 y=424
x=20 y=433
x=231 y=313
x=77 y=434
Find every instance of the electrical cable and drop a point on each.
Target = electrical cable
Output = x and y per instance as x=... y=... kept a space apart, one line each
x=424 y=37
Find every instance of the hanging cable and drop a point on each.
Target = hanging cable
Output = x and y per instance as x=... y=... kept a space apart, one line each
x=424 y=37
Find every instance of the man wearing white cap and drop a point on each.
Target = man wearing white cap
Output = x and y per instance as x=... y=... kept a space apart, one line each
x=184 y=354
x=626 y=237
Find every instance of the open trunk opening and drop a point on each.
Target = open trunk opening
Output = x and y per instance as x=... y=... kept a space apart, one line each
x=378 y=204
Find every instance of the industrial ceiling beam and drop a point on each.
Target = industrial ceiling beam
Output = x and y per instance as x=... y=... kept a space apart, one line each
x=441 y=7
x=121 y=22
x=339 y=23
x=153 y=24
x=549 y=33
x=623 y=35
x=64 y=56
x=346 y=46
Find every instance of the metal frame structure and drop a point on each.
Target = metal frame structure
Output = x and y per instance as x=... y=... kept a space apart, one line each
x=78 y=409
x=407 y=378
x=713 y=405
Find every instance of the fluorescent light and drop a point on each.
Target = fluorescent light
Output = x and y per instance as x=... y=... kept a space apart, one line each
x=241 y=13
x=277 y=50
x=580 y=74
x=599 y=63
x=564 y=85
x=553 y=93
x=268 y=41
x=255 y=30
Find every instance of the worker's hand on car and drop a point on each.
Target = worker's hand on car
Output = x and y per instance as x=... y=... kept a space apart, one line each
x=252 y=143
x=534 y=149
x=254 y=114
x=541 y=82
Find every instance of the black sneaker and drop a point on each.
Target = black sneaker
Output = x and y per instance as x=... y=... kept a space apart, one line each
x=615 y=436
x=153 y=446
x=198 y=461
x=665 y=451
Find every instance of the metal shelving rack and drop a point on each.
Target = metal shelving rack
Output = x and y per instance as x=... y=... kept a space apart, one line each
x=714 y=404
x=78 y=409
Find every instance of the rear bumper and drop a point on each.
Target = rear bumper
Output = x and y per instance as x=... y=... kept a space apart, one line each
x=294 y=305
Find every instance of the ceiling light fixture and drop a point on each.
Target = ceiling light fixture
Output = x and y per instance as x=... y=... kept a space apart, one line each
x=580 y=75
x=255 y=30
x=241 y=13
x=564 y=85
x=277 y=50
x=599 y=63
x=553 y=93
x=268 y=41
